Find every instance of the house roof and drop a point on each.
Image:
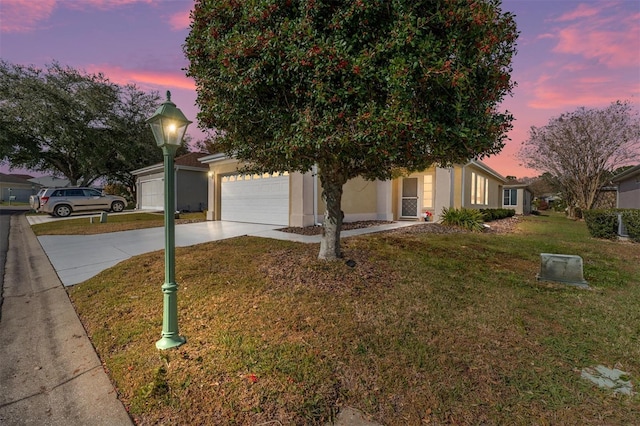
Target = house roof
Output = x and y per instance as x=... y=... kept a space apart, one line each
x=186 y=162
x=21 y=176
x=487 y=169
x=626 y=174
x=191 y=160
x=50 y=181
x=517 y=186
x=17 y=179
x=212 y=158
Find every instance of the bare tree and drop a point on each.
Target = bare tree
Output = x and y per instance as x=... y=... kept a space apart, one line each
x=580 y=149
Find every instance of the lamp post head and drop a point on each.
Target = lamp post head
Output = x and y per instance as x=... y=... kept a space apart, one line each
x=168 y=124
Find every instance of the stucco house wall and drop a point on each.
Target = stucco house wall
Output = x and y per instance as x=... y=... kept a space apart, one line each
x=628 y=184
x=192 y=190
x=359 y=200
x=190 y=179
x=21 y=189
x=434 y=189
x=523 y=200
x=482 y=186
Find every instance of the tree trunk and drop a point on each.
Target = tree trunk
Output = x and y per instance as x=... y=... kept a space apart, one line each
x=332 y=184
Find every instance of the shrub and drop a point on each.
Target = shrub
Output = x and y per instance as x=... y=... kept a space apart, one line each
x=631 y=220
x=602 y=223
x=541 y=204
x=470 y=219
x=118 y=189
x=560 y=206
x=496 y=214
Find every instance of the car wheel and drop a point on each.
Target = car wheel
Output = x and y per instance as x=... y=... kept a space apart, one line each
x=117 y=206
x=62 y=210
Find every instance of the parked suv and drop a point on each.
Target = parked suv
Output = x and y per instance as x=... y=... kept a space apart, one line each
x=62 y=202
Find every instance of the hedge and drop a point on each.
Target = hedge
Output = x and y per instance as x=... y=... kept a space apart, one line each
x=603 y=223
x=496 y=214
x=631 y=220
x=472 y=219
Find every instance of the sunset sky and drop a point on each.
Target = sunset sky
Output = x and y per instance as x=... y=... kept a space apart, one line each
x=570 y=53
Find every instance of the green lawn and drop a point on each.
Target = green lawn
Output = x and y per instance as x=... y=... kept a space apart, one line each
x=115 y=223
x=425 y=329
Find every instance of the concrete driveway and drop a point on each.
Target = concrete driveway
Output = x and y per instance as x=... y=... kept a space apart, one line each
x=77 y=258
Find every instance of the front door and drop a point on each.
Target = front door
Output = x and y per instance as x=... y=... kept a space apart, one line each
x=409 y=204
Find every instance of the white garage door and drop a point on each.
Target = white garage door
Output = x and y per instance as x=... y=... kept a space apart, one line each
x=256 y=199
x=152 y=194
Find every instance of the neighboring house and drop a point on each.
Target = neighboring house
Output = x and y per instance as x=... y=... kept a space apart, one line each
x=606 y=198
x=547 y=201
x=190 y=184
x=628 y=184
x=517 y=197
x=16 y=188
x=295 y=199
x=50 y=182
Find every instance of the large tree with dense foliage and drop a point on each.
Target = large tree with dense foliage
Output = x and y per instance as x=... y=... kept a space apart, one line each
x=133 y=145
x=75 y=124
x=580 y=150
x=358 y=88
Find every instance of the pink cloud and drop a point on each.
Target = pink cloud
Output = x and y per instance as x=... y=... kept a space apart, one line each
x=20 y=16
x=102 y=4
x=573 y=67
x=612 y=48
x=582 y=11
x=546 y=35
x=567 y=93
x=606 y=34
x=594 y=61
x=594 y=80
x=144 y=78
x=180 y=21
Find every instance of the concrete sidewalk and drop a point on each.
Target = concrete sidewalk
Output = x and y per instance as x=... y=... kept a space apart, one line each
x=49 y=371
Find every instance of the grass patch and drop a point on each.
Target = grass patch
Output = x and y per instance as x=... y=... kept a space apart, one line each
x=447 y=328
x=115 y=223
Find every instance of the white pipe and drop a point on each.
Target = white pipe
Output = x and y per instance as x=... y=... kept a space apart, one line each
x=314 y=171
x=462 y=184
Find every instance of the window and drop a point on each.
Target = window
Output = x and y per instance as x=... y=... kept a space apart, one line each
x=74 y=193
x=427 y=192
x=92 y=193
x=510 y=197
x=479 y=189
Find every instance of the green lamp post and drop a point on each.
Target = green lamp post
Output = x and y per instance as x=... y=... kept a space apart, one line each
x=169 y=125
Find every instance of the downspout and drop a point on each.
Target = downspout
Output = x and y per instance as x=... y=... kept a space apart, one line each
x=462 y=184
x=314 y=171
x=138 y=193
x=452 y=187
